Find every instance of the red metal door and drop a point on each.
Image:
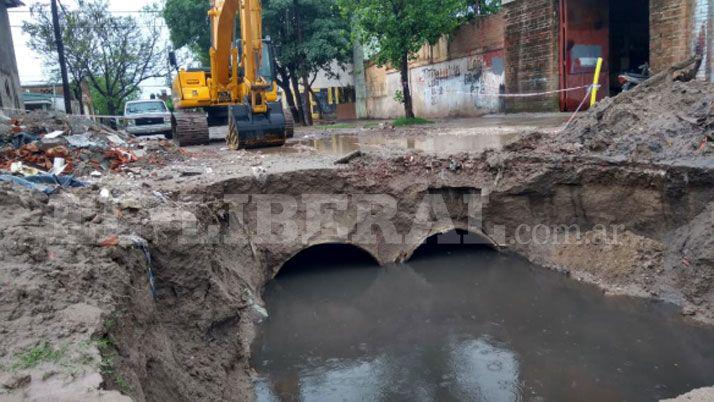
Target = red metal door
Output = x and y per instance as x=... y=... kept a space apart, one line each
x=584 y=36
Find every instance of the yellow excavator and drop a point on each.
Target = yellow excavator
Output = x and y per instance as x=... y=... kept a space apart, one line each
x=240 y=83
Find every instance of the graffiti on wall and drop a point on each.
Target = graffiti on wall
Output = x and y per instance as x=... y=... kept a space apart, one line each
x=466 y=86
x=461 y=86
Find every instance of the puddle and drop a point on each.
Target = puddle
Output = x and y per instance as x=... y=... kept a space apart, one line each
x=468 y=325
x=442 y=145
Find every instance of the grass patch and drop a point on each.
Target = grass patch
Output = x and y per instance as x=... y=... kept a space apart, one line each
x=123 y=386
x=36 y=355
x=410 y=121
x=107 y=352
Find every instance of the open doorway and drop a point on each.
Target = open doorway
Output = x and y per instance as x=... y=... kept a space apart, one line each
x=616 y=30
x=629 y=38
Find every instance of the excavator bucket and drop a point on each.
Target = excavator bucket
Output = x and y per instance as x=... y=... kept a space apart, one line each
x=256 y=130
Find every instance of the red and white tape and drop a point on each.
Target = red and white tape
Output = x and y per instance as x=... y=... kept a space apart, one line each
x=526 y=95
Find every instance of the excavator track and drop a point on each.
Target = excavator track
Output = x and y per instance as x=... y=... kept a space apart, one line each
x=190 y=129
x=289 y=124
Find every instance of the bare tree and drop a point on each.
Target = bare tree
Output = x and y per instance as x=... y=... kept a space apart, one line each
x=42 y=41
x=113 y=53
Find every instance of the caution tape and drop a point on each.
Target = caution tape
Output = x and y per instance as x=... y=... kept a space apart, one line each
x=575 y=113
x=527 y=95
x=88 y=116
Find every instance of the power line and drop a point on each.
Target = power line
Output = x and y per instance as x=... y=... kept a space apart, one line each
x=109 y=11
x=148 y=25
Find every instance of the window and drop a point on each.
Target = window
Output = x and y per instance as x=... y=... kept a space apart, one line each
x=145 y=107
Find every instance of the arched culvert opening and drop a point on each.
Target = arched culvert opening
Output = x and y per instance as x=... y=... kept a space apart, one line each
x=324 y=272
x=326 y=257
x=452 y=241
x=314 y=305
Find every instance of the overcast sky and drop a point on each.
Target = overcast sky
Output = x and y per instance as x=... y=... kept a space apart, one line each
x=30 y=64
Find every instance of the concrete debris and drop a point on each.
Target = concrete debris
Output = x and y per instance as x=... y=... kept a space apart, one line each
x=81 y=141
x=38 y=138
x=21 y=169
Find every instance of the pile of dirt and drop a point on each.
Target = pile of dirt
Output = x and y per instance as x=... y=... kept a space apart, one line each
x=82 y=316
x=664 y=121
x=38 y=138
x=58 y=288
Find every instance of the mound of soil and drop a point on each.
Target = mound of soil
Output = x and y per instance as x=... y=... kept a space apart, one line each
x=668 y=120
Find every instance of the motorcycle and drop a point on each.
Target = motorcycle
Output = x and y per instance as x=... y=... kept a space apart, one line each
x=629 y=80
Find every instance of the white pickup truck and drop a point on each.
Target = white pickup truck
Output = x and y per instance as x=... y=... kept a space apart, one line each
x=148 y=117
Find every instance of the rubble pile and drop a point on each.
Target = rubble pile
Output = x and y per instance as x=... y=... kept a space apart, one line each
x=666 y=120
x=40 y=140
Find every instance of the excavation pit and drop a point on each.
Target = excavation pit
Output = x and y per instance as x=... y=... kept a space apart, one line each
x=637 y=229
x=88 y=313
x=464 y=322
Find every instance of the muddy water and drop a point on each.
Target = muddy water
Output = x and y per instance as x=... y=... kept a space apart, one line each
x=467 y=325
x=444 y=144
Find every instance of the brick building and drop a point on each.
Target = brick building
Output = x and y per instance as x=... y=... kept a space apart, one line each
x=9 y=80
x=553 y=44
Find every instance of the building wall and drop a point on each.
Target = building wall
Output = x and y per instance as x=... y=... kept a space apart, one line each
x=455 y=77
x=669 y=36
x=532 y=53
x=679 y=29
x=701 y=38
x=458 y=76
x=339 y=76
x=9 y=80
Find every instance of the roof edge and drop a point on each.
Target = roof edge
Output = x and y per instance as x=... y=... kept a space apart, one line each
x=13 y=3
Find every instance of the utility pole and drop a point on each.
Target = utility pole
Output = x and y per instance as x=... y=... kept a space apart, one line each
x=63 y=65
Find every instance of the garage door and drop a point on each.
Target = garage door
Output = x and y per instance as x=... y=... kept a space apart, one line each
x=584 y=37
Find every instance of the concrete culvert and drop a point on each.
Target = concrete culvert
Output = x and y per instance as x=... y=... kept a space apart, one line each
x=326 y=256
x=451 y=240
x=313 y=272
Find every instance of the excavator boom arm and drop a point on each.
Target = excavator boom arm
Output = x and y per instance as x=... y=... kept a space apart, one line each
x=223 y=15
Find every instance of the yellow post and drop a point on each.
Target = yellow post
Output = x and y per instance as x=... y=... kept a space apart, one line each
x=596 y=81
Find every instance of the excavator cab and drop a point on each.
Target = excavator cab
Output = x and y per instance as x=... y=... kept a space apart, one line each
x=267 y=61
